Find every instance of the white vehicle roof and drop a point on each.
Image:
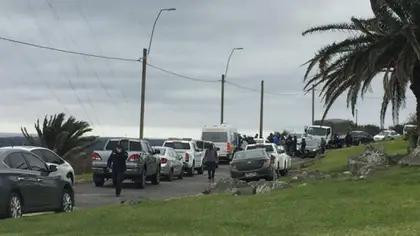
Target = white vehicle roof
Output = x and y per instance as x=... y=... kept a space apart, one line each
x=319 y=126
x=219 y=128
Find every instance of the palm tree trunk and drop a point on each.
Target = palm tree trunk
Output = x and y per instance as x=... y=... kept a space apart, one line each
x=415 y=88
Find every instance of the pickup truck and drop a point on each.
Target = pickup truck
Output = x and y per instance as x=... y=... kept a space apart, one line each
x=192 y=157
x=142 y=164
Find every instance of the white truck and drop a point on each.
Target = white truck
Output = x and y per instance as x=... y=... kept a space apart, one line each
x=224 y=137
x=192 y=157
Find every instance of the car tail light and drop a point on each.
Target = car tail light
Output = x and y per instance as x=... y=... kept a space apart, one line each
x=134 y=157
x=95 y=156
x=163 y=160
x=229 y=148
x=187 y=157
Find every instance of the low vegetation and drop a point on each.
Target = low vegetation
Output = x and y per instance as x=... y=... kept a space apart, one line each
x=336 y=160
x=385 y=204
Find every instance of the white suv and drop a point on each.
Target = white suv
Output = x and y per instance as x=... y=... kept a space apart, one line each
x=192 y=157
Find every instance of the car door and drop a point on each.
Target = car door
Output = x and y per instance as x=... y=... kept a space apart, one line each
x=47 y=185
x=25 y=181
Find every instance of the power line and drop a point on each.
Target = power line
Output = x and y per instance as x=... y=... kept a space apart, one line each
x=257 y=91
x=182 y=76
x=69 y=51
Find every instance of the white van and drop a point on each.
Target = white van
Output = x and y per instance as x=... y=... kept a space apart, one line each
x=224 y=137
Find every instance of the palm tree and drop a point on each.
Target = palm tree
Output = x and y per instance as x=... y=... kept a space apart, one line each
x=385 y=46
x=65 y=137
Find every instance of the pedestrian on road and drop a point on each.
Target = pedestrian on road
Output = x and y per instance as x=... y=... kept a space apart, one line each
x=116 y=162
x=294 y=146
x=303 y=147
x=210 y=158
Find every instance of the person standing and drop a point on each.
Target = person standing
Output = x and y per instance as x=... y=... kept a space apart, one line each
x=303 y=147
x=210 y=159
x=294 y=145
x=116 y=162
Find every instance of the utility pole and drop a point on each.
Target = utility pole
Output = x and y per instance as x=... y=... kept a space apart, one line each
x=223 y=100
x=262 y=109
x=313 y=104
x=143 y=91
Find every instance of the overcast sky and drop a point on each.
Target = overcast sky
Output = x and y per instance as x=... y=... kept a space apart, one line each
x=194 y=40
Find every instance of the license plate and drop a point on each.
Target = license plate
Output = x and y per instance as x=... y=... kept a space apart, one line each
x=253 y=174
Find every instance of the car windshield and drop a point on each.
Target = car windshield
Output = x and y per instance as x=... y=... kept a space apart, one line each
x=317 y=131
x=207 y=145
x=178 y=145
x=268 y=148
x=113 y=143
x=250 y=154
x=216 y=137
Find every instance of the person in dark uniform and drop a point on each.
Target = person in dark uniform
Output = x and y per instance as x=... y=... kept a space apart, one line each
x=303 y=147
x=294 y=145
x=116 y=162
x=210 y=158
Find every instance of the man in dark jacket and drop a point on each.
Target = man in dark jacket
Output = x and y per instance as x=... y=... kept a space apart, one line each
x=116 y=162
x=210 y=158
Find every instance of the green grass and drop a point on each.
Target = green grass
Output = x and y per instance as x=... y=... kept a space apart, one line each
x=385 y=204
x=336 y=160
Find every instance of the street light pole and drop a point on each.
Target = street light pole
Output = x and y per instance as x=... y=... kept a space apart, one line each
x=146 y=52
x=223 y=84
x=313 y=105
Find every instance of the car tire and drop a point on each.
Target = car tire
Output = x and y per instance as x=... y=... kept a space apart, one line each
x=181 y=174
x=200 y=170
x=15 y=208
x=156 y=177
x=67 y=201
x=98 y=180
x=283 y=172
x=140 y=181
x=191 y=170
x=171 y=175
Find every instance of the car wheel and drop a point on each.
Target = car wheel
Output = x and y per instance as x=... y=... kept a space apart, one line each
x=283 y=172
x=15 y=206
x=140 y=181
x=66 y=202
x=156 y=177
x=191 y=170
x=98 y=180
x=181 y=174
x=170 y=175
x=200 y=170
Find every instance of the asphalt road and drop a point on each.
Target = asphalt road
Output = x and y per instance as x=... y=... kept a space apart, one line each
x=88 y=196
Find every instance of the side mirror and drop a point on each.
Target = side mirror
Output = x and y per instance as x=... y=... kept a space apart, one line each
x=52 y=168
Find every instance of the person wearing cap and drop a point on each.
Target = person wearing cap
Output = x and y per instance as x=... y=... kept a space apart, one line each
x=116 y=163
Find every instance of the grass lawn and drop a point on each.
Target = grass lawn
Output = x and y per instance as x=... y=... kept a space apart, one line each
x=386 y=204
x=336 y=160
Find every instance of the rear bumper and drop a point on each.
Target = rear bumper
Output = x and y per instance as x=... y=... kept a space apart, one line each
x=129 y=173
x=252 y=175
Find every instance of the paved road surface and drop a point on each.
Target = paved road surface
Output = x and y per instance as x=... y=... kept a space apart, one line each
x=87 y=195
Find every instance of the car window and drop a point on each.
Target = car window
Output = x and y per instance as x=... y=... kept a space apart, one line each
x=35 y=163
x=48 y=156
x=135 y=146
x=16 y=161
x=178 y=145
x=113 y=143
x=200 y=144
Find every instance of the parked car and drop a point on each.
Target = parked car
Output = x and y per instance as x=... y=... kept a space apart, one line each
x=192 y=156
x=253 y=165
x=386 y=135
x=312 y=149
x=282 y=162
x=360 y=137
x=141 y=163
x=27 y=185
x=64 y=169
x=170 y=162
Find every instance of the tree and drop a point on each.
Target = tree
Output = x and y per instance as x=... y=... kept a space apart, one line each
x=65 y=137
x=386 y=45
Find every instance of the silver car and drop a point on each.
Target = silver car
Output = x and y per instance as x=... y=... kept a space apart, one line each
x=170 y=162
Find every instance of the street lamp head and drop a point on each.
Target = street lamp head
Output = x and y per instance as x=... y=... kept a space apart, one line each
x=238 y=48
x=169 y=9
